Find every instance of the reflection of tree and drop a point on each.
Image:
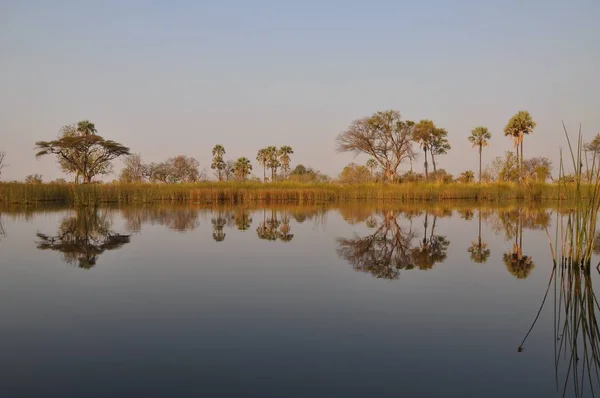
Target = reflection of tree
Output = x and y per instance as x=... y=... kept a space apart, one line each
x=218 y=224
x=516 y=262
x=284 y=234
x=466 y=214
x=508 y=222
x=176 y=218
x=383 y=253
x=479 y=251
x=271 y=228
x=83 y=237
x=242 y=218
x=432 y=249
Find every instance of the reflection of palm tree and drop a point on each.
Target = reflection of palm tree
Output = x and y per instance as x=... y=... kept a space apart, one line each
x=218 y=224
x=243 y=220
x=383 y=253
x=518 y=264
x=479 y=251
x=432 y=249
x=82 y=238
x=284 y=230
x=273 y=229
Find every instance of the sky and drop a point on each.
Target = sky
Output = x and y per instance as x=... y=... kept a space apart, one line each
x=177 y=77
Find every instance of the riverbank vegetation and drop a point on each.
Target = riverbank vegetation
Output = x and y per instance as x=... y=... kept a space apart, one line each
x=282 y=192
x=388 y=140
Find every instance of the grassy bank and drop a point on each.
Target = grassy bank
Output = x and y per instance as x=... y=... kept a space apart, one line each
x=285 y=192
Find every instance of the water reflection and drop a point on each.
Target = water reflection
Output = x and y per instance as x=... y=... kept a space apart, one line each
x=511 y=224
x=478 y=249
x=243 y=219
x=275 y=227
x=402 y=237
x=432 y=248
x=218 y=224
x=179 y=219
x=576 y=332
x=384 y=252
x=2 y=231
x=82 y=238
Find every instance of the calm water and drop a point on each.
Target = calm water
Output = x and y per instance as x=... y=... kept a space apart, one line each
x=286 y=302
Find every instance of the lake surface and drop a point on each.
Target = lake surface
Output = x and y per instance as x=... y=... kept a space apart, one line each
x=296 y=301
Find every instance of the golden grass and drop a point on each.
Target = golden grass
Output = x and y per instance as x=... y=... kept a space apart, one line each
x=282 y=192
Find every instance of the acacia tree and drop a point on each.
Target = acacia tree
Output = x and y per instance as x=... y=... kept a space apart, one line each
x=518 y=126
x=438 y=145
x=242 y=168
x=480 y=137
x=2 y=164
x=384 y=136
x=218 y=163
x=261 y=158
x=423 y=135
x=86 y=152
x=284 y=158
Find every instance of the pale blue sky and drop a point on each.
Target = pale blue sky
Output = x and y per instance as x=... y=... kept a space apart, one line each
x=177 y=77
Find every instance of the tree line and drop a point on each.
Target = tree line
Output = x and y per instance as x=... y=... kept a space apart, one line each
x=84 y=154
x=389 y=141
x=384 y=137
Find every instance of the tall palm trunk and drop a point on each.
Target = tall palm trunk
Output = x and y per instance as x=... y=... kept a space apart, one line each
x=480 y=147
x=518 y=159
x=264 y=173
x=521 y=164
x=433 y=161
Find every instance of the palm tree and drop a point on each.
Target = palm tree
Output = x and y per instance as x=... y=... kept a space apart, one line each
x=272 y=160
x=218 y=163
x=261 y=158
x=371 y=165
x=518 y=126
x=423 y=131
x=85 y=127
x=284 y=157
x=479 y=138
x=242 y=168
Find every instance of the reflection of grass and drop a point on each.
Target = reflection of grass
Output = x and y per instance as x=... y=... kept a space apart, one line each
x=280 y=192
x=577 y=335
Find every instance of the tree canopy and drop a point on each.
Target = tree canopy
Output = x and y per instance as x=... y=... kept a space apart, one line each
x=83 y=150
x=384 y=136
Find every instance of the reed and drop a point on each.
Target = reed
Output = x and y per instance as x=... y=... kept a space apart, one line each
x=576 y=330
x=284 y=192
